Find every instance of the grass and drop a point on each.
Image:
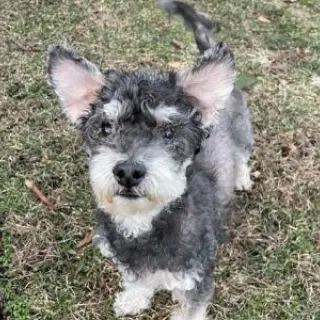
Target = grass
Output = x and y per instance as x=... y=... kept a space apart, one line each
x=270 y=269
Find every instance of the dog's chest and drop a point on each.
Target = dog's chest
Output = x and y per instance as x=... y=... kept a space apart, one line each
x=153 y=249
x=159 y=248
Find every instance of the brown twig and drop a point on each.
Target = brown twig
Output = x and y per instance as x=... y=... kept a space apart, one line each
x=177 y=44
x=317 y=239
x=32 y=186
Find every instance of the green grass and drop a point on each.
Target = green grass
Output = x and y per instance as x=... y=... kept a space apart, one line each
x=270 y=269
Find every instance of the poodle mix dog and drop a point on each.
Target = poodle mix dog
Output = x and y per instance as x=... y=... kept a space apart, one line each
x=166 y=151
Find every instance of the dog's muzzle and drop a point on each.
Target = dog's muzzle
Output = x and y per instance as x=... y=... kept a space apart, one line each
x=128 y=193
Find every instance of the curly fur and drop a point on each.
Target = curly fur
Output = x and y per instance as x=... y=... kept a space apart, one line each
x=162 y=232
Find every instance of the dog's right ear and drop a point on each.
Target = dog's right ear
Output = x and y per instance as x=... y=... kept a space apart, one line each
x=209 y=84
x=75 y=80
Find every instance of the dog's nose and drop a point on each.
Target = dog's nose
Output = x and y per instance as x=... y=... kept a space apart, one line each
x=129 y=173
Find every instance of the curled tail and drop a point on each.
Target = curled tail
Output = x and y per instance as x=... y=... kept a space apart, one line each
x=200 y=25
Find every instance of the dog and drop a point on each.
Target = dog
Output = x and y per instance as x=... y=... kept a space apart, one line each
x=165 y=152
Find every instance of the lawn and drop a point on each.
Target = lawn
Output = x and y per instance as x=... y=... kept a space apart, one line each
x=270 y=267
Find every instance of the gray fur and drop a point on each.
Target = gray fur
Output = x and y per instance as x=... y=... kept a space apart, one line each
x=185 y=229
x=197 y=22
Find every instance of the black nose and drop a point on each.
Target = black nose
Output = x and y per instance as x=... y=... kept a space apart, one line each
x=129 y=173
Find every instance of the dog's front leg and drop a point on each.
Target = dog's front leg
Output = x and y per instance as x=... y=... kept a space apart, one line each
x=193 y=303
x=100 y=240
x=135 y=297
x=137 y=292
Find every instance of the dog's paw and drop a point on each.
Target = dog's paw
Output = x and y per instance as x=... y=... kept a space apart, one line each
x=177 y=314
x=181 y=314
x=103 y=246
x=243 y=184
x=130 y=302
x=243 y=181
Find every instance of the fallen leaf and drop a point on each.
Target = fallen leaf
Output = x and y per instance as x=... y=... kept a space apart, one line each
x=263 y=19
x=177 y=44
x=86 y=239
x=175 y=64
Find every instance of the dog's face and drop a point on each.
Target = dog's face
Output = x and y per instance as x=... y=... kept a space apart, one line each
x=141 y=130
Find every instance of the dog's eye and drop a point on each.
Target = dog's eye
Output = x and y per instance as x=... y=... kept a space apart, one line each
x=168 y=133
x=105 y=128
x=197 y=150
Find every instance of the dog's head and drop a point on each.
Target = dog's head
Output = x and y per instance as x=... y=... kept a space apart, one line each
x=141 y=129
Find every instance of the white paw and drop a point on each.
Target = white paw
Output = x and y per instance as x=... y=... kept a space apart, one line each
x=103 y=245
x=130 y=302
x=181 y=314
x=243 y=181
x=177 y=314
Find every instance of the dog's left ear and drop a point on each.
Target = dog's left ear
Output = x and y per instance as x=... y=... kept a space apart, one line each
x=75 y=80
x=209 y=84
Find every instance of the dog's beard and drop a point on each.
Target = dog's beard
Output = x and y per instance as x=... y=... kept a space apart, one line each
x=164 y=182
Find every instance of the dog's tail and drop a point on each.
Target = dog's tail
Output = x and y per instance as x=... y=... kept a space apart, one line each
x=201 y=26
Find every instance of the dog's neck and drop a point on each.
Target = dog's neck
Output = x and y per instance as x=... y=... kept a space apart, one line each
x=132 y=226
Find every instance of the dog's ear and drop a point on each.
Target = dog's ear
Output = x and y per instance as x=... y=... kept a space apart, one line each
x=75 y=80
x=210 y=82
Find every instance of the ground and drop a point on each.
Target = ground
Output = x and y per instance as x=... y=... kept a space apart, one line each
x=270 y=267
